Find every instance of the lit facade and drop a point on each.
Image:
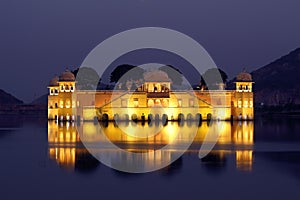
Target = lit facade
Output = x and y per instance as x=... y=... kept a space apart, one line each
x=152 y=100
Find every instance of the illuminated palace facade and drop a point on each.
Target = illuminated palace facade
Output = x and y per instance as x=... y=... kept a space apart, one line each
x=152 y=100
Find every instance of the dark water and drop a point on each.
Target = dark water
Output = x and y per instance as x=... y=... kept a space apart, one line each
x=251 y=161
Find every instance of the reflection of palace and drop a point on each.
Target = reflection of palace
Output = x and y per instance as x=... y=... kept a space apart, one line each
x=151 y=100
x=66 y=148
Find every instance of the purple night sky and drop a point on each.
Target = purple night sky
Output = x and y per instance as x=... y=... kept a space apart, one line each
x=41 y=38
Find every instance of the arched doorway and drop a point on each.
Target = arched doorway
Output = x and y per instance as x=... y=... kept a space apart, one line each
x=209 y=116
x=198 y=117
x=150 y=117
x=189 y=117
x=164 y=119
x=134 y=117
x=95 y=120
x=126 y=117
x=143 y=117
x=180 y=117
x=156 y=117
x=116 y=117
x=105 y=117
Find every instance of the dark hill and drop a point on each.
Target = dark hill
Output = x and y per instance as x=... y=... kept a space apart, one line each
x=278 y=83
x=8 y=99
x=42 y=100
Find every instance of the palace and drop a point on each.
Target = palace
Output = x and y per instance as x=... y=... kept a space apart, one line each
x=153 y=100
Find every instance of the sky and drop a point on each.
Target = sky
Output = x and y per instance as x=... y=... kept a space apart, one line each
x=40 y=38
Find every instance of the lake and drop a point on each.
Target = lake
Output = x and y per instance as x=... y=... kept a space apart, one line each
x=48 y=160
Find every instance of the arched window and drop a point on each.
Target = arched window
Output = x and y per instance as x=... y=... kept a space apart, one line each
x=68 y=103
x=250 y=103
x=165 y=103
x=61 y=103
x=239 y=103
x=179 y=103
x=136 y=102
x=150 y=103
x=246 y=103
x=157 y=102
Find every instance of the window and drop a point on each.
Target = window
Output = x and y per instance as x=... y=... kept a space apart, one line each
x=246 y=104
x=150 y=103
x=124 y=102
x=250 y=104
x=61 y=103
x=179 y=103
x=191 y=102
x=155 y=88
x=239 y=103
x=136 y=102
x=68 y=103
x=157 y=102
x=62 y=88
x=165 y=103
x=163 y=88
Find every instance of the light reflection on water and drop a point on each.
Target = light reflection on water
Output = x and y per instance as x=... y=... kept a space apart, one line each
x=250 y=161
x=67 y=149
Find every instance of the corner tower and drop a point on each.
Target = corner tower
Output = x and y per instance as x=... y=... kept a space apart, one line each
x=243 y=97
x=66 y=102
x=60 y=98
x=53 y=99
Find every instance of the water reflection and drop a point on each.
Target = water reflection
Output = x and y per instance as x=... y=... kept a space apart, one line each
x=234 y=139
x=65 y=147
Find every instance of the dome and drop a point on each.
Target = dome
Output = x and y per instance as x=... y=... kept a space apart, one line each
x=244 y=76
x=156 y=76
x=54 y=81
x=67 y=76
